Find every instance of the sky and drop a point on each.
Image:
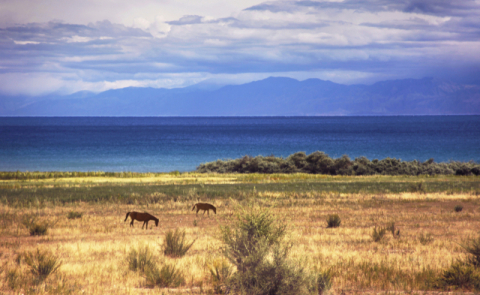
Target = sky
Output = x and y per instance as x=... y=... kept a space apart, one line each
x=58 y=46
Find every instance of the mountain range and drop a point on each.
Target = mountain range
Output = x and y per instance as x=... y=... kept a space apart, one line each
x=274 y=96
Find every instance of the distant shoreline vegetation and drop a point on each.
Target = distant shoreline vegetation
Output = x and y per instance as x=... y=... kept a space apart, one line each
x=321 y=163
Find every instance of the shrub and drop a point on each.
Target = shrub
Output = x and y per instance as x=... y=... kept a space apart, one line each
x=425 y=239
x=333 y=220
x=460 y=275
x=175 y=245
x=254 y=246
x=74 y=215
x=220 y=273
x=166 y=276
x=34 y=227
x=377 y=235
x=42 y=263
x=139 y=260
x=14 y=278
x=323 y=282
x=458 y=208
x=472 y=246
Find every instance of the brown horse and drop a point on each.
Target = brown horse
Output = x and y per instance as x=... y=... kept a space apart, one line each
x=204 y=207
x=145 y=217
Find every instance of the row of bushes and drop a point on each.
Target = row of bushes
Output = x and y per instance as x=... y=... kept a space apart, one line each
x=321 y=163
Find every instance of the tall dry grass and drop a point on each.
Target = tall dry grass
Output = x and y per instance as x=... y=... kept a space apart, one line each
x=94 y=249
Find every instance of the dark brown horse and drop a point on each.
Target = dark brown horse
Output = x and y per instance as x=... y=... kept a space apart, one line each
x=205 y=207
x=145 y=217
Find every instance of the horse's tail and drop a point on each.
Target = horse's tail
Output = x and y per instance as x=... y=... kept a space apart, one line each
x=193 y=208
x=126 y=216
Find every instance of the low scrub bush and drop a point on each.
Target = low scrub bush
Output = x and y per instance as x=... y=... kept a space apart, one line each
x=333 y=220
x=139 y=260
x=166 y=276
x=425 y=239
x=255 y=245
x=460 y=275
x=74 y=215
x=175 y=244
x=472 y=247
x=220 y=273
x=35 y=228
x=458 y=208
x=323 y=282
x=321 y=163
x=378 y=235
x=42 y=263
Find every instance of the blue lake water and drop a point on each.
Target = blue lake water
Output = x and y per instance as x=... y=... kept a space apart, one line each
x=160 y=144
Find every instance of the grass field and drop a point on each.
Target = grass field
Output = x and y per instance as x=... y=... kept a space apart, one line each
x=93 y=249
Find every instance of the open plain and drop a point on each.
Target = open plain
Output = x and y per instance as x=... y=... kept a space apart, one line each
x=425 y=238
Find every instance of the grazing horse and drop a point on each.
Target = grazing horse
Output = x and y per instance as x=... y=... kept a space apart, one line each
x=145 y=217
x=205 y=207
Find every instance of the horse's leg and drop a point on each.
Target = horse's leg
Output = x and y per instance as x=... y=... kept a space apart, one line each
x=208 y=212
x=143 y=224
x=198 y=209
x=146 y=227
x=131 y=223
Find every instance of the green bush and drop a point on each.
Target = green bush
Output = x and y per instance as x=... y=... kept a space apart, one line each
x=323 y=282
x=333 y=220
x=460 y=276
x=321 y=163
x=425 y=239
x=254 y=245
x=166 y=276
x=139 y=260
x=458 y=208
x=378 y=235
x=34 y=227
x=220 y=273
x=74 y=215
x=42 y=263
x=472 y=247
x=175 y=245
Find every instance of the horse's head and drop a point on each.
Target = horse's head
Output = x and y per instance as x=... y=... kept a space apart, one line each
x=215 y=210
x=156 y=222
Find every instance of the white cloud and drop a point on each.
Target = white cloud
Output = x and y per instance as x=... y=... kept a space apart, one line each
x=164 y=45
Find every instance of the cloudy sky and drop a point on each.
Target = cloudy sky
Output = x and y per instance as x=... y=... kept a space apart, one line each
x=67 y=46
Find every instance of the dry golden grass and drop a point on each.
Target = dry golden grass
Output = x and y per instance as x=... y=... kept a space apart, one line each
x=93 y=249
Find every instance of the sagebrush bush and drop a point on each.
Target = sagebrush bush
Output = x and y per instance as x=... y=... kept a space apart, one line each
x=323 y=282
x=321 y=163
x=175 y=244
x=333 y=220
x=166 y=276
x=460 y=275
x=458 y=208
x=139 y=260
x=255 y=245
x=35 y=228
x=42 y=263
x=425 y=239
x=378 y=235
x=472 y=247
x=74 y=215
x=220 y=272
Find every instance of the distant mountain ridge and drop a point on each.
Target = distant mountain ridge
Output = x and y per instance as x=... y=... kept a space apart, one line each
x=274 y=96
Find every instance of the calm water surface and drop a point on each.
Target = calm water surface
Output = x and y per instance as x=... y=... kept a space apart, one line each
x=160 y=144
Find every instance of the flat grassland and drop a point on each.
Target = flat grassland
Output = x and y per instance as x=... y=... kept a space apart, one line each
x=93 y=249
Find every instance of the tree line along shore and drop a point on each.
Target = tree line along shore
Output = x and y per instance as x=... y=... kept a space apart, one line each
x=320 y=163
